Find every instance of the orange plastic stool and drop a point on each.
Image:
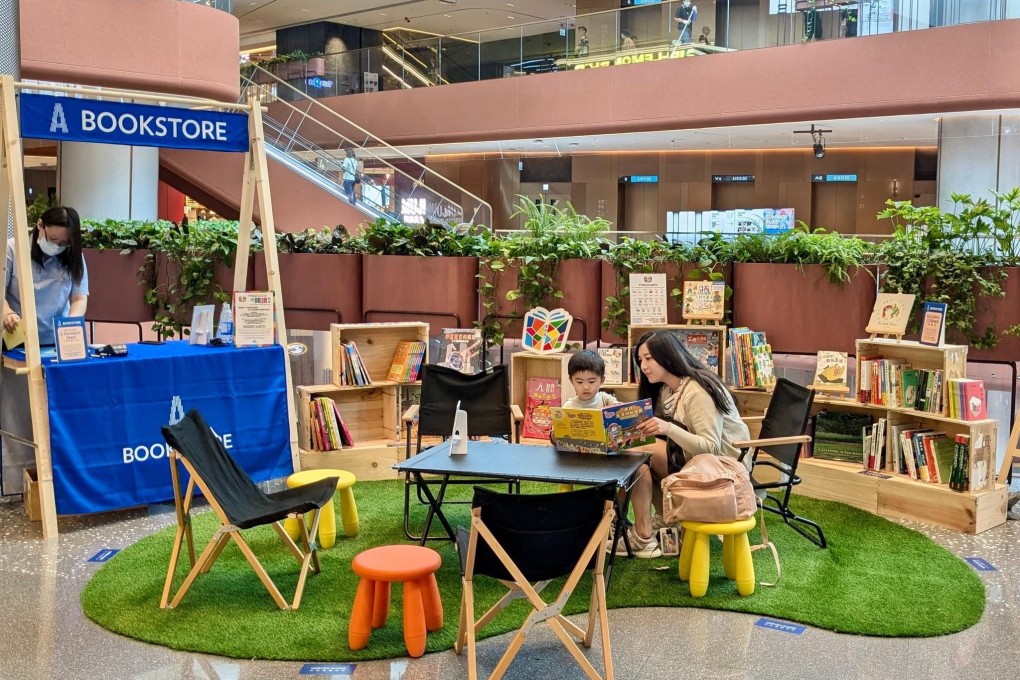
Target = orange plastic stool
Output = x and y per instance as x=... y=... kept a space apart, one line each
x=416 y=568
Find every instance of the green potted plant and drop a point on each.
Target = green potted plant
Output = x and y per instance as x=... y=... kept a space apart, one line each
x=553 y=262
x=808 y=290
x=425 y=271
x=320 y=276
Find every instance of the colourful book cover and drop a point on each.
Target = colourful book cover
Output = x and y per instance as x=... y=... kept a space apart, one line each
x=973 y=400
x=461 y=349
x=611 y=429
x=933 y=324
x=702 y=344
x=401 y=359
x=543 y=395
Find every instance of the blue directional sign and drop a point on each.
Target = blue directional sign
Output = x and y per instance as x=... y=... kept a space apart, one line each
x=980 y=564
x=336 y=669
x=104 y=554
x=781 y=626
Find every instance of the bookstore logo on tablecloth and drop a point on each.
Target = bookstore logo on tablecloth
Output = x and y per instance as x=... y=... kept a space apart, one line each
x=157 y=450
x=176 y=410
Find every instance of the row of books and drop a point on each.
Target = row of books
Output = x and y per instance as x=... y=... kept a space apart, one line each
x=893 y=383
x=327 y=431
x=967 y=399
x=352 y=368
x=407 y=361
x=750 y=358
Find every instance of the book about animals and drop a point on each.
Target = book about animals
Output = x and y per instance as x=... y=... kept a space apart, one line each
x=933 y=324
x=543 y=395
x=703 y=299
x=890 y=314
x=830 y=370
x=461 y=349
x=603 y=431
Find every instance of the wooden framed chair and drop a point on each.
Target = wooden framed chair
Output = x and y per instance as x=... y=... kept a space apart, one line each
x=239 y=504
x=781 y=437
x=486 y=398
x=532 y=539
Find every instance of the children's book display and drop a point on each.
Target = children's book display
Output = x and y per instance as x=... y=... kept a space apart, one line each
x=933 y=324
x=967 y=399
x=352 y=368
x=751 y=363
x=461 y=349
x=603 y=431
x=407 y=361
x=327 y=431
x=890 y=314
x=703 y=300
x=703 y=344
x=543 y=395
x=546 y=332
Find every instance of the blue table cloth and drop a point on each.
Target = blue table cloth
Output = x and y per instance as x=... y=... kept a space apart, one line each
x=105 y=418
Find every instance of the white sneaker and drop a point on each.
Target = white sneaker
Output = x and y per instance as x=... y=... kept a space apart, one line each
x=645 y=548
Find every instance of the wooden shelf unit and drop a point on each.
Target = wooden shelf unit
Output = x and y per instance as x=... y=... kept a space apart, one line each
x=950 y=359
x=525 y=365
x=635 y=331
x=892 y=494
x=370 y=412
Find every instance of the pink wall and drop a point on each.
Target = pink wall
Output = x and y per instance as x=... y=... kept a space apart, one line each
x=903 y=73
x=214 y=180
x=155 y=45
x=171 y=203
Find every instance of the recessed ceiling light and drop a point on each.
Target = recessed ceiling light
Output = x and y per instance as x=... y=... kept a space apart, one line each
x=447 y=16
x=383 y=14
x=509 y=17
x=306 y=10
x=509 y=4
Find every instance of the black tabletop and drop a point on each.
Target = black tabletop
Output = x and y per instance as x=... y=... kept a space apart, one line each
x=519 y=461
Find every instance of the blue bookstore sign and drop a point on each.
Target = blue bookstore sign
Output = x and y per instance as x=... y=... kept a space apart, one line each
x=104 y=555
x=845 y=177
x=67 y=119
x=639 y=179
x=980 y=564
x=338 y=669
x=781 y=626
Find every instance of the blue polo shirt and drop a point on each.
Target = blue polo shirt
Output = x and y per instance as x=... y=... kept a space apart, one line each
x=53 y=290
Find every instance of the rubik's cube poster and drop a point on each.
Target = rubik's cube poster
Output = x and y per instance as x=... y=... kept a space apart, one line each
x=545 y=332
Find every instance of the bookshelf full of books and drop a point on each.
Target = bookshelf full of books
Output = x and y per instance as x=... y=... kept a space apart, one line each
x=354 y=423
x=913 y=442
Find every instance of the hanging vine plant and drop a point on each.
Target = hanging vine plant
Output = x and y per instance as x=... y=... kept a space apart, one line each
x=631 y=256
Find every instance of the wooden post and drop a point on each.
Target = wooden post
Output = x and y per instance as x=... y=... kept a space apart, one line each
x=257 y=173
x=38 y=405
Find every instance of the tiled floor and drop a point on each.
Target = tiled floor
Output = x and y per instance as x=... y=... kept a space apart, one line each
x=43 y=633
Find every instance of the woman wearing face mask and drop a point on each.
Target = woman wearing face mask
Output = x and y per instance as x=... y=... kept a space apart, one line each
x=59 y=276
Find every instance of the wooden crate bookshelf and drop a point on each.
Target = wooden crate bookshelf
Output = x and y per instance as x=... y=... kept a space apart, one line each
x=950 y=359
x=370 y=412
x=525 y=365
x=892 y=494
x=635 y=331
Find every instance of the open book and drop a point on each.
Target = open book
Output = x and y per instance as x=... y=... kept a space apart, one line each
x=613 y=428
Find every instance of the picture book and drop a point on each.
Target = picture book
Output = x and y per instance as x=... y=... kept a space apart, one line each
x=616 y=364
x=830 y=371
x=461 y=349
x=703 y=343
x=967 y=399
x=838 y=436
x=407 y=361
x=890 y=314
x=703 y=299
x=545 y=331
x=543 y=395
x=933 y=324
x=613 y=428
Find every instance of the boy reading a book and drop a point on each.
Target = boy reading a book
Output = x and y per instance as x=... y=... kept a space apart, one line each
x=587 y=372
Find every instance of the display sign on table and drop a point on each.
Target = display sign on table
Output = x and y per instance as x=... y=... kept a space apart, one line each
x=69 y=333
x=254 y=319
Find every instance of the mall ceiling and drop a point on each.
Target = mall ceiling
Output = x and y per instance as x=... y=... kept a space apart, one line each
x=259 y=19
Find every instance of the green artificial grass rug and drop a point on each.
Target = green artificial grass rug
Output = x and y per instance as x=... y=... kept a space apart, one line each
x=875 y=578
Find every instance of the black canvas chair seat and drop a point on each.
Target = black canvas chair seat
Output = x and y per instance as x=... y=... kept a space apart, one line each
x=239 y=503
x=525 y=541
x=781 y=438
x=485 y=396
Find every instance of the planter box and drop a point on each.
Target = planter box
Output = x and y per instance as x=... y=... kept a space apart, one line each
x=116 y=287
x=675 y=276
x=223 y=276
x=329 y=283
x=441 y=291
x=800 y=311
x=581 y=283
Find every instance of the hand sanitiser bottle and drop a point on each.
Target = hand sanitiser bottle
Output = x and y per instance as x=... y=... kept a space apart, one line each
x=225 y=331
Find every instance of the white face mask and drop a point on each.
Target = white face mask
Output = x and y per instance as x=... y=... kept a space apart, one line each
x=51 y=249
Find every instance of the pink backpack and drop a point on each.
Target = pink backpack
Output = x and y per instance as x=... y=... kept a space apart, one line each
x=708 y=489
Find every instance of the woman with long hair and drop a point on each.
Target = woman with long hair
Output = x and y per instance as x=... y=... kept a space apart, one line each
x=694 y=413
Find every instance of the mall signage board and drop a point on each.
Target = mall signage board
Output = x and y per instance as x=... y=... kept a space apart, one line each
x=735 y=179
x=68 y=119
x=844 y=177
x=639 y=179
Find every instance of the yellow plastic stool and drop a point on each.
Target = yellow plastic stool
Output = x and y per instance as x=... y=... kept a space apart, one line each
x=694 y=556
x=327 y=524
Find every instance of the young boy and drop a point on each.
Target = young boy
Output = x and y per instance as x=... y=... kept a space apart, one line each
x=587 y=372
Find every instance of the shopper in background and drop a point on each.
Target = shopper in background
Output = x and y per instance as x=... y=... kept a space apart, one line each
x=629 y=42
x=350 y=167
x=693 y=411
x=59 y=276
x=582 y=42
x=686 y=15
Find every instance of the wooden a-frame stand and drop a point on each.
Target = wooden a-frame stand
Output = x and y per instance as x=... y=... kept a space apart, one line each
x=255 y=186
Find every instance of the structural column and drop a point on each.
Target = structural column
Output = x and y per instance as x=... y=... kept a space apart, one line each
x=977 y=154
x=107 y=181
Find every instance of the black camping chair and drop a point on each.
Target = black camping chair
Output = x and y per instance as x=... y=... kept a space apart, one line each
x=239 y=504
x=781 y=438
x=526 y=541
x=486 y=398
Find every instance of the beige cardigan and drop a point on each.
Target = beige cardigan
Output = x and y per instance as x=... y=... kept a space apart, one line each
x=707 y=431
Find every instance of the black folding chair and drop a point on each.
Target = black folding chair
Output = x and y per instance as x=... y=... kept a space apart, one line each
x=526 y=541
x=781 y=439
x=484 y=396
x=239 y=504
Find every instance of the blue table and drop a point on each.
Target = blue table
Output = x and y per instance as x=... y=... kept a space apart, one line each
x=105 y=418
